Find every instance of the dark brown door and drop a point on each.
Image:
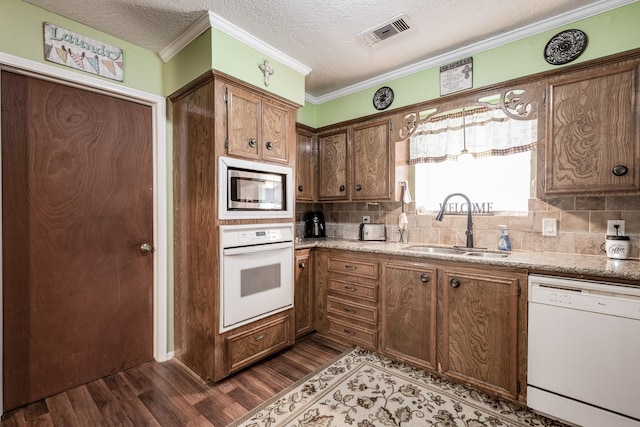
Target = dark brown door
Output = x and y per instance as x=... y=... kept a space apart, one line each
x=77 y=205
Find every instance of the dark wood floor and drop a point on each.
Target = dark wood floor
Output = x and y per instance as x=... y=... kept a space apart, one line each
x=167 y=394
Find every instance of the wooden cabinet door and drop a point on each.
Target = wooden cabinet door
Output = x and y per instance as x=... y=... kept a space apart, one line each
x=593 y=131
x=244 y=110
x=304 y=289
x=276 y=121
x=332 y=165
x=305 y=166
x=478 y=327
x=371 y=162
x=408 y=320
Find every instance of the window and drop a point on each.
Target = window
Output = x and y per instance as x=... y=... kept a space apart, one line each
x=480 y=152
x=493 y=184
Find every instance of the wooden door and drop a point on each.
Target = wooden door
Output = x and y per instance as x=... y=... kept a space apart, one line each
x=305 y=166
x=332 y=166
x=593 y=131
x=371 y=162
x=243 y=123
x=303 y=303
x=77 y=205
x=408 y=324
x=479 y=327
x=276 y=121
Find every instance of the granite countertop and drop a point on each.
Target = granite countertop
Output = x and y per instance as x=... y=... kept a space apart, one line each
x=574 y=264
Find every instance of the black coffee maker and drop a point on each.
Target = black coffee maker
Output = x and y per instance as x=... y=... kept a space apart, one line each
x=314 y=225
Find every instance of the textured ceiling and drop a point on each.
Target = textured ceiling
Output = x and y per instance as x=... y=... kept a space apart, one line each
x=322 y=34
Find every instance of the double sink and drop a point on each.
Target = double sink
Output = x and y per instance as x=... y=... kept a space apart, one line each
x=456 y=250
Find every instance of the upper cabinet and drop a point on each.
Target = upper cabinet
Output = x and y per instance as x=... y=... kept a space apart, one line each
x=371 y=162
x=259 y=127
x=355 y=162
x=332 y=165
x=593 y=131
x=305 y=165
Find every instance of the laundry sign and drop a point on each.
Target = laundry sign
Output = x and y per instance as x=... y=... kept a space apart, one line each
x=82 y=53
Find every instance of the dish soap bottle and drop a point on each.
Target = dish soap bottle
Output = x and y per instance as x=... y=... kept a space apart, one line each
x=504 y=244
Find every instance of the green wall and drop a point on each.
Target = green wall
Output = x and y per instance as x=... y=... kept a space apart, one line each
x=611 y=32
x=21 y=34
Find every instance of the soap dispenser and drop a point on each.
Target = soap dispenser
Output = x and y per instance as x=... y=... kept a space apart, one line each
x=504 y=244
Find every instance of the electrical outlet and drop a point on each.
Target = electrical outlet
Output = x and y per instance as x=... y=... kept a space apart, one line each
x=549 y=227
x=366 y=219
x=611 y=229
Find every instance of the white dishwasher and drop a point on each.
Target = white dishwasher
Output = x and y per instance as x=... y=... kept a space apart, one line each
x=584 y=351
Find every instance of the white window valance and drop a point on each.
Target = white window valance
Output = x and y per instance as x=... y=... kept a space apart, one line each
x=482 y=131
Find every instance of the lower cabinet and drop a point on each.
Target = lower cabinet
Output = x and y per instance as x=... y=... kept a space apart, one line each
x=304 y=292
x=348 y=292
x=466 y=321
x=408 y=305
x=478 y=326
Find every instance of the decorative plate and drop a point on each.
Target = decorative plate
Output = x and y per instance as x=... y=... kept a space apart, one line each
x=383 y=98
x=565 y=46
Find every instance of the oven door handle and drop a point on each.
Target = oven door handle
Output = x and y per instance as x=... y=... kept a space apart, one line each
x=248 y=250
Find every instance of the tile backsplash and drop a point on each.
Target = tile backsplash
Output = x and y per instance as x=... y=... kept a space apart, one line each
x=582 y=223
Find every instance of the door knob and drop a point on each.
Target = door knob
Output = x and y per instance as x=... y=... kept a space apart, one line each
x=146 y=248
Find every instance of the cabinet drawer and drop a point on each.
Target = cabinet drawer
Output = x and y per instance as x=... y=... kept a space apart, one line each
x=352 y=334
x=352 y=310
x=246 y=347
x=358 y=290
x=353 y=267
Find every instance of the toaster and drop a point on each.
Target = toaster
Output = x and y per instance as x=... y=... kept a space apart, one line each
x=375 y=232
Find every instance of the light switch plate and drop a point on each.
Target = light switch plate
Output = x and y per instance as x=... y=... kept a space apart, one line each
x=549 y=227
x=611 y=229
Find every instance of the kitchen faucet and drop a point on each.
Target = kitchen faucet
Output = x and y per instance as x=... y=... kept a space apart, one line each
x=469 y=231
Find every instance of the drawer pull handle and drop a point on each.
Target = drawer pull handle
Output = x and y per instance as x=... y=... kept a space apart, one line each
x=350 y=267
x=425 y=277
x=350 y=288
x=350 y=310
x=260 y=337
x=455 y=283
x=347 y=331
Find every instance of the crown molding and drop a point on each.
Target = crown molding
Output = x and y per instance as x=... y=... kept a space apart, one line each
x=492 y=42
x=211 y=20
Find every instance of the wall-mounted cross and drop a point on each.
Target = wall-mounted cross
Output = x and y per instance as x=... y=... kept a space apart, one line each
x=267 y=70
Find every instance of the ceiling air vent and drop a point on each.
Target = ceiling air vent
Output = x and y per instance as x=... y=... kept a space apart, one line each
x=386 y=29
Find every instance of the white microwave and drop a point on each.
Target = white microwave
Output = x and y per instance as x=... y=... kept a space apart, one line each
x=250 y=190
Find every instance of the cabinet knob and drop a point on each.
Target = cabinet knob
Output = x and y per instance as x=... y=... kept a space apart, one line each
x=252 y=142
x=620 y=170
x=300 y=188
x=269 y=145
x=358 y=187
x=342 y=188
x=455 y=283
x=425 y=277
x=301 y=264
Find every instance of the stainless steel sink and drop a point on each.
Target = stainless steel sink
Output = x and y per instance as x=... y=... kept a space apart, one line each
x=486 y=254
x=480 y=253
x=437 y=250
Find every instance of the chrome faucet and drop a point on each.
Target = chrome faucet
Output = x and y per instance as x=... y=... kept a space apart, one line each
x=469 y=231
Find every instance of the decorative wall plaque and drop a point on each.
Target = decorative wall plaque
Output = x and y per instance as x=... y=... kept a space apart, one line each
x=456 y=76
x=565 y=46
x=82 y=53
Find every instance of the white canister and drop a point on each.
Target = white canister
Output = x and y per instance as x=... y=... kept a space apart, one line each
x=617 y=247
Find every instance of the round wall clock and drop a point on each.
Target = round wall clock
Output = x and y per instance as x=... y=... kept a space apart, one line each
x=383 y=98
x=565 y=46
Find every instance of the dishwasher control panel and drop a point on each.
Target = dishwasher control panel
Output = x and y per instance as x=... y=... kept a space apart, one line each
x=598 y=297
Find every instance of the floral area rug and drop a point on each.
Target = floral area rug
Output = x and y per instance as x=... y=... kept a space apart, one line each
x=364 y=389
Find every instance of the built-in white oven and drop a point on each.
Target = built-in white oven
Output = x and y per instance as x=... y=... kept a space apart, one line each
x=256 y=272
x=249 y=190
